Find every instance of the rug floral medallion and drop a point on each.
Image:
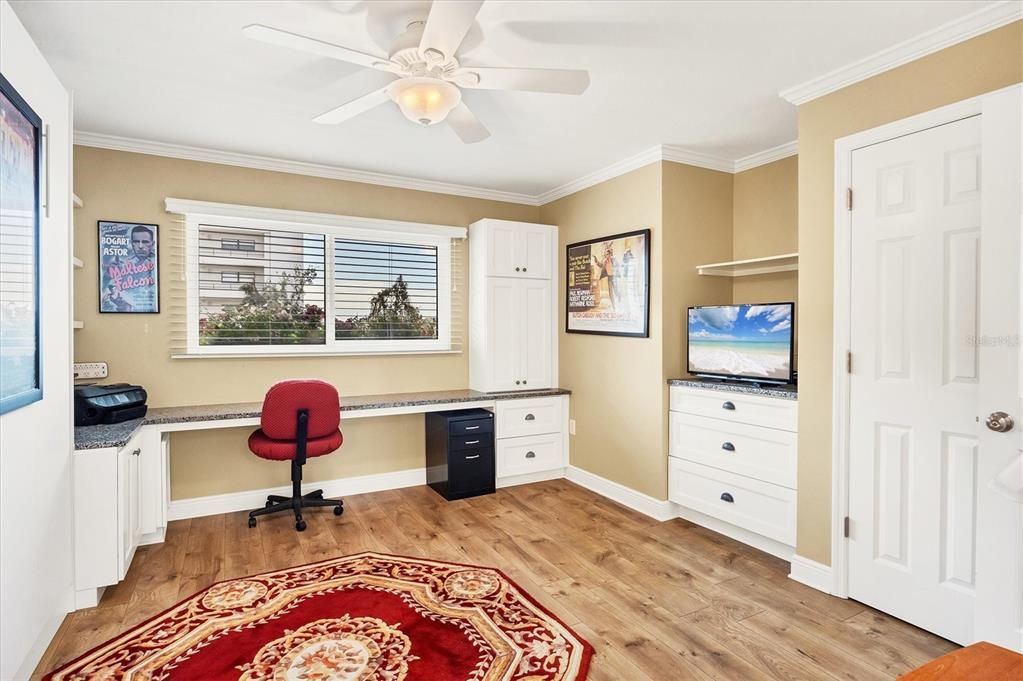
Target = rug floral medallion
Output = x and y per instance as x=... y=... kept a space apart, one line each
x=365 y=617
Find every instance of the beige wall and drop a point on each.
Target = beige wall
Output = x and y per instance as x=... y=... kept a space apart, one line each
x=764 y=222
x=131 y=187
x=615 y=381
x=988 y=62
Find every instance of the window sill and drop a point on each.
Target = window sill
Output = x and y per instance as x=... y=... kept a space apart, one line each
x=307 y=355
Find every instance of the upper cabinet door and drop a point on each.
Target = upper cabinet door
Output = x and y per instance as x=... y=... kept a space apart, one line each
x=533 y=248
x=536 y=334
x=503 y=259
x=504 y=335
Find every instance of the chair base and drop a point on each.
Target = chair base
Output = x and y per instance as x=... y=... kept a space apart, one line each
x=276 y=503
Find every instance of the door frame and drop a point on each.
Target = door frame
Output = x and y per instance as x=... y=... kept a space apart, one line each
x=842 y=307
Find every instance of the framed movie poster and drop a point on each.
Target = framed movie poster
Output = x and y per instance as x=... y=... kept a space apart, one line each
x=129 y=267
x=20 y=161
x=609 y=285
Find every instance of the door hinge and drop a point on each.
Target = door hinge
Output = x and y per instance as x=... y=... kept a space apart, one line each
x=848 y=198
x=848 y=361
x=845 y=527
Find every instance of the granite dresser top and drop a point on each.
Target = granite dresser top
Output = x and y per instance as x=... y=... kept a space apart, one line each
x=785 y=392
x=117 y=435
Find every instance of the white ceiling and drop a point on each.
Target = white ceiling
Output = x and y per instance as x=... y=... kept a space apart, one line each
x=700 y=75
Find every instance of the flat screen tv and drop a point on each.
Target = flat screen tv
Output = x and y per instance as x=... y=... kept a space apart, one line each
x=742 y=342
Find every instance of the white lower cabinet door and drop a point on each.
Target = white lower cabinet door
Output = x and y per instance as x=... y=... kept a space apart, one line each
x=760 y=507
x=128 y=511
x=531 y=454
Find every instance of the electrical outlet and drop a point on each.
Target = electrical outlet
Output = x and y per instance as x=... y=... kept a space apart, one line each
x=90 y=370
x=571 y=426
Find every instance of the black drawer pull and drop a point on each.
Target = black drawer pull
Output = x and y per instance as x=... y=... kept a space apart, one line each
x=729 y=406
x=727 y=496
x=472 y=442
x=474 y=456
x=516 y=269
x=530 y=455
x=530 y=417
x=728 y=447
x=472 y=427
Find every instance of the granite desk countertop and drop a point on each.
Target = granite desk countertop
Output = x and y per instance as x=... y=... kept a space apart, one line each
x=785 y=392
x=116 y=435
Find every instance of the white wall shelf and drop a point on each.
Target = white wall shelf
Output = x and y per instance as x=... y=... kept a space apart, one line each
x=77 y=262
x=77 y=325
x=77 y=201
x=789 y=262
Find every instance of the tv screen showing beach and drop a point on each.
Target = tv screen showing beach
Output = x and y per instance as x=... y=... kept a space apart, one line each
x=744 y=341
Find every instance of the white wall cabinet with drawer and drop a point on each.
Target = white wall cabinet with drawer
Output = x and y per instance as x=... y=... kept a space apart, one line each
x=513 y=340
x=732 y=463
x=119 y=502
x=531 y=439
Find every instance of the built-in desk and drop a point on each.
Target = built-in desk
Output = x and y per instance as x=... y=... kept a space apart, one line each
x=122 y=471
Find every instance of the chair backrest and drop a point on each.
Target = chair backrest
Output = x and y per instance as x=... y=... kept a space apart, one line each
x=283 y=400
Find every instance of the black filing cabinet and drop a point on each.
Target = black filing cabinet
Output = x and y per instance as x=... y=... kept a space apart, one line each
x=460 y=452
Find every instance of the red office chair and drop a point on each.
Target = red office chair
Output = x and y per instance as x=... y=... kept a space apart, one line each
x=300 y=419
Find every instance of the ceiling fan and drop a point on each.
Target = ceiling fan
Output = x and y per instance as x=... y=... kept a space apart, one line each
x=429 y=75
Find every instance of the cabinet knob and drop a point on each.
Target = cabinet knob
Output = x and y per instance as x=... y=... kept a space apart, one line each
x=530 y=455
x=727 y=496
x=530 y=417
x=729 y=406
x=728 y=447
x=518 y=382
x=136 y=452
x=517 y=269
x=523 y=269
x=523 y=382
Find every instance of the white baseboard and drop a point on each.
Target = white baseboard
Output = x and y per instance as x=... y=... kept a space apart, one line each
x=813 y=574
x=38 y=649
x=657 y=509
x=765 y=544
x=198 y=507
x=525 y=479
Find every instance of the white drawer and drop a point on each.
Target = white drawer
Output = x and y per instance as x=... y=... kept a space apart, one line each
x=760 y=507
x=762 y=453
x=529 y=416
x=530 y=454
x=757 y=410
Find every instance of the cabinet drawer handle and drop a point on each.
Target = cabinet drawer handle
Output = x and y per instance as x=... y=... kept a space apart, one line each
x=136 y=452
x=727 y=496
x=728 y=447
x=474 y=456
x=530 y=417
x=729 y=406
x=530 y=455
x=472 y=442
x=472 y=427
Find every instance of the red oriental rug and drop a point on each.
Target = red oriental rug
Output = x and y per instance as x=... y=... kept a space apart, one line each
x=366 y=617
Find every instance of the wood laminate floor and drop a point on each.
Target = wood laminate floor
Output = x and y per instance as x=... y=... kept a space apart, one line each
x=658 y=601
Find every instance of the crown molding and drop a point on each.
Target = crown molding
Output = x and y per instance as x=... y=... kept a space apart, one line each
x=699 y=159
x=766 y=156
x=627 y=165
x=138 y=146
x=969 y=26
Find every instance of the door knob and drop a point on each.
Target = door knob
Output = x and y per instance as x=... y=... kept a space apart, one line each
x=1000 y=422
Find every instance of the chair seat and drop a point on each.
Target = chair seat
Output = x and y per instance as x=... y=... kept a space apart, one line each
x=284 y=450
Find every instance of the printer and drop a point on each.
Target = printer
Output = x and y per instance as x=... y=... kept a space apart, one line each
x=111 y=403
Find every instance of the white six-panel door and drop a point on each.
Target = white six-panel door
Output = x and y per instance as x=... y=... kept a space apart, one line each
x=916 y=278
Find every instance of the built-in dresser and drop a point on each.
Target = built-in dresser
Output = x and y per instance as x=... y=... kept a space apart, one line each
x=732 y=460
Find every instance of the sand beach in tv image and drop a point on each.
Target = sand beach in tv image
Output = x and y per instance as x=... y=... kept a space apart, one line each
x=741 y=340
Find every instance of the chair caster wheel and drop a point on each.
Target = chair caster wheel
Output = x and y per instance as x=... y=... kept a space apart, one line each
x=338 y=510
x=252 y=522
x=300 y=525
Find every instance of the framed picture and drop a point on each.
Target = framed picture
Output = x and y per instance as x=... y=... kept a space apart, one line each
x=609 y=285
x=129 y=267
x=20 y=163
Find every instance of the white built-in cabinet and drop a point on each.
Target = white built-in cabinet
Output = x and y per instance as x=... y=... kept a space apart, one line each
x=120 y=503
x=512 y=306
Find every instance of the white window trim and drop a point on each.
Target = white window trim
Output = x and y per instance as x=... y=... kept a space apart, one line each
x=198 y=213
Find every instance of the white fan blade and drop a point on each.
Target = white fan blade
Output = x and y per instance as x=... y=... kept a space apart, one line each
x=466 y=125
x=276 y=36
x=559 y=81
x=447 y=25
x=353 y=108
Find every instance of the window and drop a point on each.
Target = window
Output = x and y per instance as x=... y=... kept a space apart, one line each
x=271 y=287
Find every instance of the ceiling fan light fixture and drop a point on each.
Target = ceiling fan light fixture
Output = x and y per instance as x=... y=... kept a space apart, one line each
x=424 y=100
